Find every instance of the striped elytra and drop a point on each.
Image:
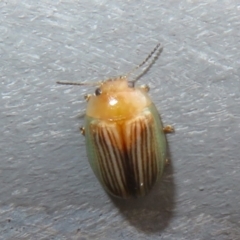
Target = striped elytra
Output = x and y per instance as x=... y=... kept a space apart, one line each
x=125 y=139
x=127 y=156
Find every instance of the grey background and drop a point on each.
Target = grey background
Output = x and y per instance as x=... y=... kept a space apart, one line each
x=47 y=189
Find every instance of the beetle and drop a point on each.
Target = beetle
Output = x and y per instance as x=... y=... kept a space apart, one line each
x=125 y=138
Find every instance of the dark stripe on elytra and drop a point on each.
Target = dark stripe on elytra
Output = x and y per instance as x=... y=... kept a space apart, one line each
x=108 y=169
x=128 y=161
x=142 y=129
x=141 y=157
x=131 y=169
x=148 y=156
x=111 y=164
x=137 y=158
x=154 y=160
x=97 y=141
x=103 y=159
x=161 y=148
x=118 y=158
x=144 y=154
x=150 y=161
x=126 y=172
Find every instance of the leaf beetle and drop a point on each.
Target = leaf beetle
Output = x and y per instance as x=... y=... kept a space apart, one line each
x=125 y=138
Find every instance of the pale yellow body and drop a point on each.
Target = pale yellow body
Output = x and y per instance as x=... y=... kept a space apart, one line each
x=117 y=101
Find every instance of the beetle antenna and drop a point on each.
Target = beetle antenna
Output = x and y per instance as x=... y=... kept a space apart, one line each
x=158 y=49
x=78 y=84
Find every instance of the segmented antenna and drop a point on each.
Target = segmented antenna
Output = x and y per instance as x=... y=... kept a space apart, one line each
x=78 y=84
x=157 y=50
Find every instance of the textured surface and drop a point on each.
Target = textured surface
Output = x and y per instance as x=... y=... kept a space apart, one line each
x=47 y=189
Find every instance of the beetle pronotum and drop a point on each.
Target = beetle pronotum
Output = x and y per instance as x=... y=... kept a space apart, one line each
x=125 y=138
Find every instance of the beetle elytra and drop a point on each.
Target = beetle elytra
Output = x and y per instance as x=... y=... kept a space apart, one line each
x=125 y=138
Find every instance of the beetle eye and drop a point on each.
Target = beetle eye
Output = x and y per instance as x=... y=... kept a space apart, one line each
x=131 y=84
x=98 y=91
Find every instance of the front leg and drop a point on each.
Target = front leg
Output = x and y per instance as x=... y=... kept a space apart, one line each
x=168 y=129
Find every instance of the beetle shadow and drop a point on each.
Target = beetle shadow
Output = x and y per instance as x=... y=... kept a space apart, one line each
x=153 y=212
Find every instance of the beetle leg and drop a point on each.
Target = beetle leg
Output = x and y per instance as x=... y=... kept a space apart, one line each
x=145 y=88
x=168 y=129
x=82 y=130
x=167 y=162
x=81 y=115
x=87 y=97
